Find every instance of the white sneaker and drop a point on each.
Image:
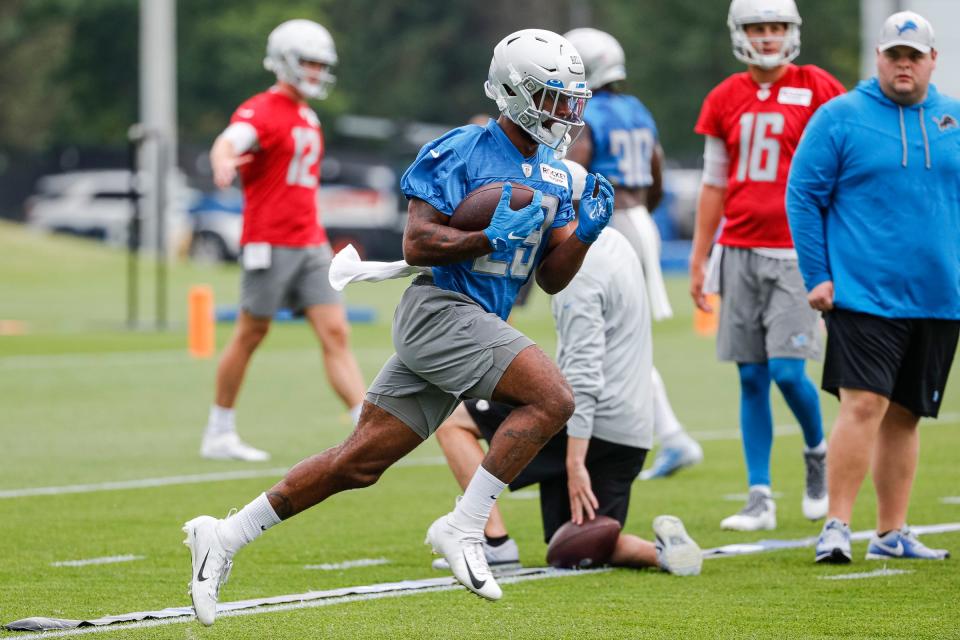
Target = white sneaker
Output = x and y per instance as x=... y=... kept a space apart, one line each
x=760 y=513
x=229 y=446
x=677 y=553
x=678 y=452
x=211 y=566
x=464 y=554
x=815 y=501
x=505 y=556
x=833 y=545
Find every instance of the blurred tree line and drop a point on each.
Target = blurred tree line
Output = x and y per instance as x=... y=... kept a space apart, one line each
x=68 y=68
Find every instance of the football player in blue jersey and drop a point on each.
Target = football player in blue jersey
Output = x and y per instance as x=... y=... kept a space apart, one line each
x=620 y=142
x=449 y=329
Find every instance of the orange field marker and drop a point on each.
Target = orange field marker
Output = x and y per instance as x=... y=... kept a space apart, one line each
x=201 y=342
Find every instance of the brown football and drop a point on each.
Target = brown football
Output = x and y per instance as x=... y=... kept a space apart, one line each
x=476 y=210
x=590 y=544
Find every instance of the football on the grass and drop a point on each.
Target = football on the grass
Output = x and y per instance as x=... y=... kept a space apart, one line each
x=578 y=546
x=476 y=210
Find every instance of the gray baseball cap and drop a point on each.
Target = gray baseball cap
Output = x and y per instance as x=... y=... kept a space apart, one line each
x=908 y=29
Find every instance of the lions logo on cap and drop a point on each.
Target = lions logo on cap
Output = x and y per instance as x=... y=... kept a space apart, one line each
x=909 y=25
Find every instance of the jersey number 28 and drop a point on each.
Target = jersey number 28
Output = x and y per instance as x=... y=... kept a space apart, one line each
x=306 y=152
x=519 y=264
x=759 y=149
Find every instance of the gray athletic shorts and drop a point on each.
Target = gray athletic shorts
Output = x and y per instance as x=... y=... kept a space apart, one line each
x=763 y=311
x=448 y=347
x=297 y=278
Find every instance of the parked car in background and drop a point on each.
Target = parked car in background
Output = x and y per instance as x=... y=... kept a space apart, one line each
x=97 y=204
x=358 y=203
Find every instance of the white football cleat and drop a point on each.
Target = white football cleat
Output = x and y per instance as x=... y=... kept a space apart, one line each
x=679 y=452
x=815 y=501
x=211 y=566
x=464 y=554
x=677 y=553
x=505 y=556
x=229 y=446
x=760 y=513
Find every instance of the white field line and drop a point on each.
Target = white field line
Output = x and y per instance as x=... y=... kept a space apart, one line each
x=950 y=500
x=104 y=560
x=349 y=564
x=762 y=546
x=302 y=604
x=879 y=573
x=197 y=478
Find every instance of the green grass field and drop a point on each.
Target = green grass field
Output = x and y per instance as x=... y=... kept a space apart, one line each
x=83 y=400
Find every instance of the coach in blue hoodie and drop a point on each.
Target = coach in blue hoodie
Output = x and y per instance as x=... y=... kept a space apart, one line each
x=873 y=201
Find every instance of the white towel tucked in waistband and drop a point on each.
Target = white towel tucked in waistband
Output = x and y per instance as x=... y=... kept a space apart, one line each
x=347 y=267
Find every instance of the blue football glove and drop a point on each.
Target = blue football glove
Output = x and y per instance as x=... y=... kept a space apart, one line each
x=595 y=211
x=508 y=228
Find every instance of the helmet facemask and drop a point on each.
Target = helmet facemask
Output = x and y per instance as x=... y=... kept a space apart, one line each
x=745 y=52
x=312 y=83
x=554 y=116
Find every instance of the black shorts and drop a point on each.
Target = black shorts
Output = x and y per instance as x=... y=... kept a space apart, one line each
x=612 y=468
x=903 y=359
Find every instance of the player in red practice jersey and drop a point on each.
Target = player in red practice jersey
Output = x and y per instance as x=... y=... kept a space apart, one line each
x=753 y=122
x=275 y=143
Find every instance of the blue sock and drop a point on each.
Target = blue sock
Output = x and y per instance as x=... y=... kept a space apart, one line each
x=801 y=396
x=756 y=421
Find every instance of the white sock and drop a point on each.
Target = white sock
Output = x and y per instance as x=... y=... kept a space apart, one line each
x=221 y=420
x=246 y=525
x=665 y=423
x=820 y=448
x=762 y=488
x=355 y=413
x=473 y=509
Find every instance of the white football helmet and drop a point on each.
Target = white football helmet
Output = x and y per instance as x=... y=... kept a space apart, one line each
x=295 y=41
x=536 y=78
x=744 y=12
x=603 y=58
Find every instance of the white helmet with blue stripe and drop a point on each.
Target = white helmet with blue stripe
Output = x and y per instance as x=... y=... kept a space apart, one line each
x=537 y=80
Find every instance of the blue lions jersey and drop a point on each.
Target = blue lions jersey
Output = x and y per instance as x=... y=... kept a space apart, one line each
x=624 y=137
x=464 y=159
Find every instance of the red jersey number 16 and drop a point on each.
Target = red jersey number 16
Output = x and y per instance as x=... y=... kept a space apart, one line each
x=759 y=150
x=306 y=152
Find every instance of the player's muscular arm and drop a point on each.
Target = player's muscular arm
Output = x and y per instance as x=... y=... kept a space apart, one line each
x=709 y=213
x=655 y=190
x=428 y=240
x=568 y=245
x=562 y=259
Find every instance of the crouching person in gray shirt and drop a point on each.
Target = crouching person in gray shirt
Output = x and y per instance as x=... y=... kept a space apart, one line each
x=606 y=353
